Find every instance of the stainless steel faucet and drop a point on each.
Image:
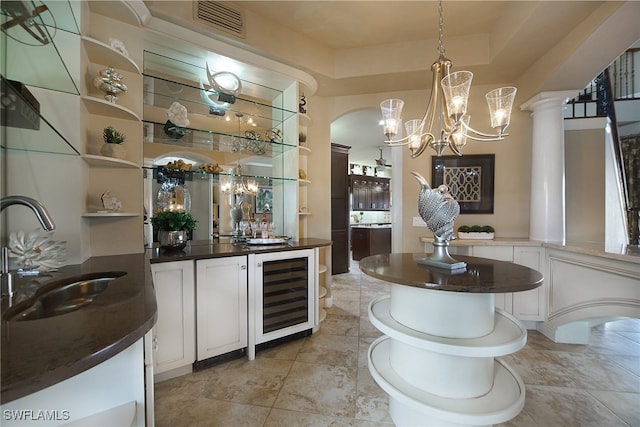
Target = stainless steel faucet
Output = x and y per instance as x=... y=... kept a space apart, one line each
x=45 y=220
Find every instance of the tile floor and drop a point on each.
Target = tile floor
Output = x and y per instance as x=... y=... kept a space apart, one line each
x=323 y=380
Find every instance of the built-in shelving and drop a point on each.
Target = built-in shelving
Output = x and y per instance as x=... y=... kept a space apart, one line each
x=108 y=162
x=304 y=151
x=103 y=107
x=101 y=53
x=109 y=214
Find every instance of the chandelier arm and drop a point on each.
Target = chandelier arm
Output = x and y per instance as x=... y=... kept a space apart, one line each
x=476 y=135
x=425 y=140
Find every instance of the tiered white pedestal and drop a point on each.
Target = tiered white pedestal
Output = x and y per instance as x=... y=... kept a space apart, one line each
x=437 y=358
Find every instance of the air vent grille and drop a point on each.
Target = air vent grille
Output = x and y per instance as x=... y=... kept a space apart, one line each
x=219 y=15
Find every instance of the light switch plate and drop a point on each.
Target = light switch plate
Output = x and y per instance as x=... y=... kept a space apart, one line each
x=418 y=222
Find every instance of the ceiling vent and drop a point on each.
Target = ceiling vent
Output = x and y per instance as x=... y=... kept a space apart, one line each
x=220 y=16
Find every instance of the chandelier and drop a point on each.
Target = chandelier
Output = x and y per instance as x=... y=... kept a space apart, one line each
x=237 y=185
x=446 y=122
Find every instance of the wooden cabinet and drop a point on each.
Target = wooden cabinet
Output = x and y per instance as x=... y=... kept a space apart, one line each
x=367 y=241
x=370 y=193
x=174 y=335
x=339 y=209
x=221 y=306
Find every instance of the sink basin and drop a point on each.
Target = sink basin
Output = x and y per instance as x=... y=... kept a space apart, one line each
x=65 y=296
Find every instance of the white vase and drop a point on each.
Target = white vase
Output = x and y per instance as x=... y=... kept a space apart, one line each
x=116 y=151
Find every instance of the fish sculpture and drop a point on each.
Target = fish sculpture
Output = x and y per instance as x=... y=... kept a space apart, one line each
x=437 y=208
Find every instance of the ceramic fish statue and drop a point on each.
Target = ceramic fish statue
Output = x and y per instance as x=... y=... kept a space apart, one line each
x=437 y=208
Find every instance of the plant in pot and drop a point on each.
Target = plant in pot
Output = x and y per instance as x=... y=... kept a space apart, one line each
x=173 y=228
x=476 y=232
x=302 y=138
x=113 y=141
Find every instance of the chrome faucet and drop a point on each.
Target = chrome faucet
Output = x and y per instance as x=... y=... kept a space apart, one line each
x=45 y=220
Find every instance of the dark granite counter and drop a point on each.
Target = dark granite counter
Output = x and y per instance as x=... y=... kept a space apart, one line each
x=202 y=249
x=481 y=275
x=39 y=353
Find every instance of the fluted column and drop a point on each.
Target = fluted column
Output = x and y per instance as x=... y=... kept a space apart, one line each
x=547 y=207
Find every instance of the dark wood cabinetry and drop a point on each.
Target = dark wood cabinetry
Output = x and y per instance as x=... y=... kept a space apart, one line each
x=367 y=241
x=370 y=193
x=339 y=208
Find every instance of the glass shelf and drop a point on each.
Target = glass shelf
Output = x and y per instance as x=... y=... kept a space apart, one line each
x=189 y=74
x=214 y=141
x=21 y=51
x=162 y=92
x=193 y=175
x=34 y=132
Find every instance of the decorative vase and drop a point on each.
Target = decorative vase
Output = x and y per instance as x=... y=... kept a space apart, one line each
x=110 y=82
x=116 y=151
x=173 y=131
x=174 y=240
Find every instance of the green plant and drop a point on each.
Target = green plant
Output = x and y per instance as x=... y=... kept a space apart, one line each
x=112 y=136
x=476 y=229
x=302 y=137
x=173 y=221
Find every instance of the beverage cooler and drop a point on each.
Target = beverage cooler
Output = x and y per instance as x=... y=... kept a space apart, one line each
x=284 y=295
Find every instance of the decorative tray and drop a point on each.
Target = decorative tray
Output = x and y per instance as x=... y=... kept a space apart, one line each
x=271 y=241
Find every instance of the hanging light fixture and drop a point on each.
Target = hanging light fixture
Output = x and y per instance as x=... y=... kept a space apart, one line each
x=446 y=122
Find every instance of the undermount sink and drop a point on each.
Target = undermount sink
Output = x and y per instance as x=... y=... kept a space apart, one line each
x=65 y=296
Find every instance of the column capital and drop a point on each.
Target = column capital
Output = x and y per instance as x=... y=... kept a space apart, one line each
x=548 y=99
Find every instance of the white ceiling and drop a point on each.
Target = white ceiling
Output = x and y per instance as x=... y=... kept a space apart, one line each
x=516 y=35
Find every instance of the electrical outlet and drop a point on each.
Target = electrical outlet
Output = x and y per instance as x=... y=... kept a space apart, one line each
x=418 y=222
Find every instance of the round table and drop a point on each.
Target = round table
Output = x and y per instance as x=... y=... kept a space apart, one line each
x=442 y=335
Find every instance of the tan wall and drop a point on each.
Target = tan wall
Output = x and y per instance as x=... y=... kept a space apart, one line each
x=584 y=186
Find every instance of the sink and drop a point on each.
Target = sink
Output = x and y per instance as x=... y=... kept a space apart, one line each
x=64 y=296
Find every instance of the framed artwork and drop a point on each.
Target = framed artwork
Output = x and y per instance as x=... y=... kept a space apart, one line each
x=264 y=200
x=470 y=179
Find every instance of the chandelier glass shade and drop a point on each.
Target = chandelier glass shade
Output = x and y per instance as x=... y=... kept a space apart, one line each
x=446 y=123
x=237 y=185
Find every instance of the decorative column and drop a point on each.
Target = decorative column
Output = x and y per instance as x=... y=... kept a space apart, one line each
x=547 y=208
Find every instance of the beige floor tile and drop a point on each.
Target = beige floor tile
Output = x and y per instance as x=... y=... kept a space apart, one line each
x=327 y=349
x=624 y=405
x=319 y=389
x=336 y=324
x=283 y=418
x=251 y=382
x=372 y=403
x=284 y=351
x=566 y=407
x=193 y=411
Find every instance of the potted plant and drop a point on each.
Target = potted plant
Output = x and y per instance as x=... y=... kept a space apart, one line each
x=302 y=138
x=113 y=141
x=173 y=228
x=476 y=232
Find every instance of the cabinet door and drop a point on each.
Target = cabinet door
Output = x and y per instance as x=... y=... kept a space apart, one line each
x=221 y=305
x=504 y=300
x=175 y=331
x=530 y=305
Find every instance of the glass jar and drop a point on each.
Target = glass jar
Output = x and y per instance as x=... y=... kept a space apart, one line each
x=173 y=196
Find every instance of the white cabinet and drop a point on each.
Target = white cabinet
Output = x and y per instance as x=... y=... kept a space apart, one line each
x=109 y=394
x=221 y=305
x=527 y=305
x=174 y=335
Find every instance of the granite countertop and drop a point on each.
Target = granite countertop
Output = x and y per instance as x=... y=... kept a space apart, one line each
x=39 y=353
x=480 y=276
x=203 y=249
